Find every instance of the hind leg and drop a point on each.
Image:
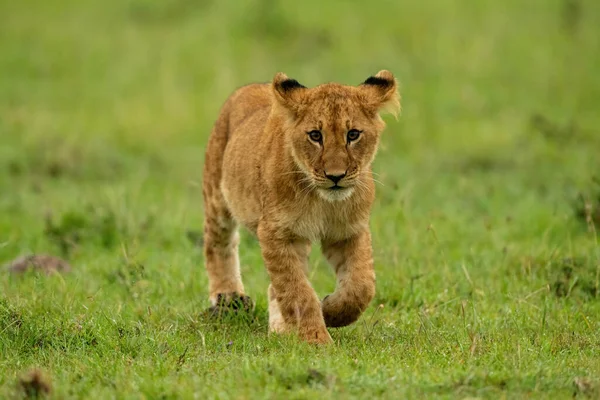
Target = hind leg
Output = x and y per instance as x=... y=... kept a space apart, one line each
x=225 y=287
x=221 y=238
x=221 y=256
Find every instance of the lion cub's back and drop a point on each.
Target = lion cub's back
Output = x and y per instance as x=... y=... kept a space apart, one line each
x=246 y=102
x=249 y=109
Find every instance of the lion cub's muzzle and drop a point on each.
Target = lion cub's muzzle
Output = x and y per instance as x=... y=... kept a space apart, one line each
x=335 y=177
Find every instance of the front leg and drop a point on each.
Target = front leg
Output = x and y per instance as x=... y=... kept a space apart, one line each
x=290 y=293
x=352 y=260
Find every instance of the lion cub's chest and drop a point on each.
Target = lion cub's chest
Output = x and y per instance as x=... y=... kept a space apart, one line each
x=324 y=220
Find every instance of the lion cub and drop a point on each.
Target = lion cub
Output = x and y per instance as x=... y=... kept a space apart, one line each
x=293 y=165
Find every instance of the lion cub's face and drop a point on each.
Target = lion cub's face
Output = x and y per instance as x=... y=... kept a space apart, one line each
x=333 y=130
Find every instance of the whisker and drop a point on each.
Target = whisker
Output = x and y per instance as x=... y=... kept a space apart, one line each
x=374 y=180
x=361 y=186
x=307 y=186
x=307 y=190
x=292 y=172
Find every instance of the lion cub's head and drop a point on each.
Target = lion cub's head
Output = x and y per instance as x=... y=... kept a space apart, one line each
x=333 y=130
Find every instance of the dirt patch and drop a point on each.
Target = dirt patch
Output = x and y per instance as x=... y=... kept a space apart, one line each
x=586 y=387
x=35 y=384
x=38 y=262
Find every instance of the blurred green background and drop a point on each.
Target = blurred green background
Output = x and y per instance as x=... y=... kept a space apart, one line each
x=484 y=227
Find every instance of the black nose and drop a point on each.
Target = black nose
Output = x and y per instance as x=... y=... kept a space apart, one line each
x=335 y=178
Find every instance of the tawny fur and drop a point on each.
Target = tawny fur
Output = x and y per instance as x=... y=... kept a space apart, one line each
x=264 y=170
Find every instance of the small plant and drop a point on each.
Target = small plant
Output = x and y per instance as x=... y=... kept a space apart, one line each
x=573 y=277
x=587 y=206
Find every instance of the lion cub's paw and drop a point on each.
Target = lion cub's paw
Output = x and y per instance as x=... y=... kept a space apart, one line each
x=337 y=314
x=316 y=336
x=230 y=303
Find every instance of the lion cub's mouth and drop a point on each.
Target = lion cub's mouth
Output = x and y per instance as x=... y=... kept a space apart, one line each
x=336 y=192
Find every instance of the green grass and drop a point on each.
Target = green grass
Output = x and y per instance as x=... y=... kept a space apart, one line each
x=488 y=273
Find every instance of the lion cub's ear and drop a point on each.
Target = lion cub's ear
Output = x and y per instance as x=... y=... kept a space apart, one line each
x=288 y=92
x=381 y=93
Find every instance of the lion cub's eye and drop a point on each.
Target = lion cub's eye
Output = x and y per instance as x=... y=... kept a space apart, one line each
x=315 y=136
x=353 y=134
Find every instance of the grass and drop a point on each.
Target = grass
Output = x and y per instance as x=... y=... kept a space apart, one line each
x=485 y=227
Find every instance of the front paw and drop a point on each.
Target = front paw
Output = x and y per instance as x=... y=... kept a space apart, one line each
x=230 y=303
x=316 y=335
x=339 y=313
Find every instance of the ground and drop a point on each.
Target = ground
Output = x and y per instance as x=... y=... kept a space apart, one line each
x=485 y=227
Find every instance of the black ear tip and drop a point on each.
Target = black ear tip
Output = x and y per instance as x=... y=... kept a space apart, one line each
x=290 y=84
x=378 y=81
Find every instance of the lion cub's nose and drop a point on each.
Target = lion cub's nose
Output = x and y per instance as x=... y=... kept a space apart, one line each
x=335 y=176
